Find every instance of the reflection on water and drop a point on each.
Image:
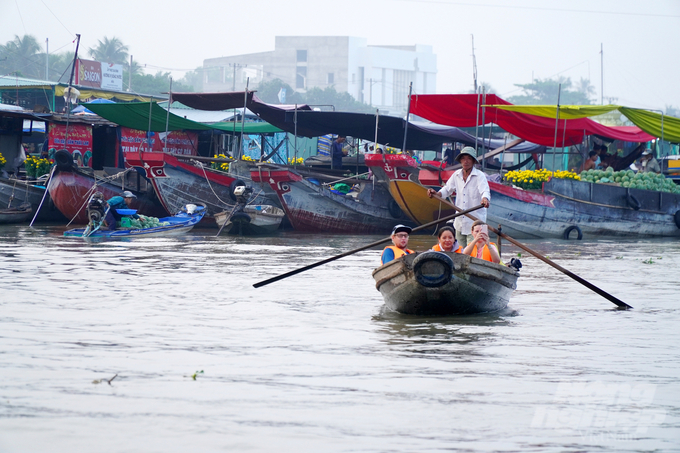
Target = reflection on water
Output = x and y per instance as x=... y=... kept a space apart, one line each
x=315 y=362
x=444 y=336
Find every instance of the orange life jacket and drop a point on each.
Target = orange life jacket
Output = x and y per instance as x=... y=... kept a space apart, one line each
x=398 y=253
x=486 y=254
x=437 y=248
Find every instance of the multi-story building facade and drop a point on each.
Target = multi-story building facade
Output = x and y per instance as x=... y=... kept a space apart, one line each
x=375 y=75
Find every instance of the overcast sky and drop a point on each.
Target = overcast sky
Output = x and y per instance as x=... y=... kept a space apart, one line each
x=514 y=40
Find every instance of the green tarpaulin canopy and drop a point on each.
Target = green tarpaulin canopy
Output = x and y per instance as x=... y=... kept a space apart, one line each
x=136 y=116
x=248 y=128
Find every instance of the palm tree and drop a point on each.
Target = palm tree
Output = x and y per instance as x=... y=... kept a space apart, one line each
x=110 y=51
x=21 y=55
x=60 y=66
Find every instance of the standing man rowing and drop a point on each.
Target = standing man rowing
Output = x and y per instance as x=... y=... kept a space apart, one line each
x=471 y=189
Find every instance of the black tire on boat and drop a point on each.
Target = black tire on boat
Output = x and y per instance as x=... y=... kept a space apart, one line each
x=633 y=202
x=568 y=231
x=234 y=184
x=64 y=160
x=394 y=209
x=433 y=269
x=240 y=217
x=676 y=217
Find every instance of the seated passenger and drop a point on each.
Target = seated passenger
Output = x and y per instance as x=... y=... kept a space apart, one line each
x=481 y=247
x=447 y=241
x=400 y=240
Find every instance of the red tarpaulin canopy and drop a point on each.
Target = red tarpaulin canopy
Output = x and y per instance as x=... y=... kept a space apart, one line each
x=465 y=110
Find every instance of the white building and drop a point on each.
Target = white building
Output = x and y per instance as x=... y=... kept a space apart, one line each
x=376 y=75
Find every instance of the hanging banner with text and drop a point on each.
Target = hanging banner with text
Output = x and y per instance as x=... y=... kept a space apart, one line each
x=179 y=142
x=96 y=74
x=79 y=142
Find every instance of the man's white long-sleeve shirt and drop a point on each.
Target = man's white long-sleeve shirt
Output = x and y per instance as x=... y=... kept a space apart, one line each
x=468 y=194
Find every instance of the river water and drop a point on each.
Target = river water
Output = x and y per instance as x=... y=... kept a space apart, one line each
x=204 y=362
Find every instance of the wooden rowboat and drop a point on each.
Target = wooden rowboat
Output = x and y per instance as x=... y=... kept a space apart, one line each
x=16 y=215
x=251 y=220
x=443 y=283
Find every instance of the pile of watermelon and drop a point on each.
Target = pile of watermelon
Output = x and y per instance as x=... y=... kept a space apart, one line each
x=628 y=178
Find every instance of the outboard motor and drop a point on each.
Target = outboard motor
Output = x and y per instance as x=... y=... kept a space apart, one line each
x=96 y=209
x=241 y=193
x=515 y=263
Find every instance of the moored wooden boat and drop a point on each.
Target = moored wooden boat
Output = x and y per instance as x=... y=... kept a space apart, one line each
x=569 y=208
x=443 y=283
x=19 y=214
x=314 y=207
x=252 y=220
x=15 y=192
x=399 y=174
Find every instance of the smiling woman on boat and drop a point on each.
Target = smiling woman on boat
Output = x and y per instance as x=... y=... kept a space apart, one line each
x=400 y=240
x=447 y=241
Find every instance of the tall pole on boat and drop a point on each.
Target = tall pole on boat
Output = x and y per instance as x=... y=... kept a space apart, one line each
x=601 y=75
x=377 y=118
x=167 y=118
x=483 y=122
x=295 y=144
x=408 y=113
x=474 y=63
x=557 y=123
x=69 y=90
x=148 y=133
x=243 y=118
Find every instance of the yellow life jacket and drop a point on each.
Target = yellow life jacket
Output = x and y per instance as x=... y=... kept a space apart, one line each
x=437 y=248
x=486 y=254
x=398 y=253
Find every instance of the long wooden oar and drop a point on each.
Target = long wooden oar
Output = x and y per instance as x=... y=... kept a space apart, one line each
x=621 y=304
x=342 y=255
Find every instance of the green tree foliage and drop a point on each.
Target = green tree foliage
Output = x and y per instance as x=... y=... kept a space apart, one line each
x=193 y=79
x=21 y=56
x=484 y=87
x=110 y=51
x=156 y=84
x=343 y=102
x=324 y=98
x=544 y=92
x=269 y=92
x=60 y=66
x=672 y=111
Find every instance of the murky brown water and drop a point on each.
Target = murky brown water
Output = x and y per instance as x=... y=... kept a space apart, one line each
x=313 y=362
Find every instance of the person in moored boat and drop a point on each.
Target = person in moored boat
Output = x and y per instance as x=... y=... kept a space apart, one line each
x=122 y=201
x=481 y=246
x=590 y=162
x=398 y=249
x=471 y=188
x=447 y=241
x=649 y=163
x=337 y=152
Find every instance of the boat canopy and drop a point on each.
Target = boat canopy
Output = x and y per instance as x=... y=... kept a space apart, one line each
x=136 y=116
x=469 y=110
x=653 y=123
x=303 y=121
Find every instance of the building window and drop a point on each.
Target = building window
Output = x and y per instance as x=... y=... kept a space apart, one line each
x=301 y=77
x=301 y=56
x=331 y=78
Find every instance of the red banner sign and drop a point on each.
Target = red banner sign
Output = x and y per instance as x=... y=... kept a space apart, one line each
x=79 y=142
x=179 y=142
